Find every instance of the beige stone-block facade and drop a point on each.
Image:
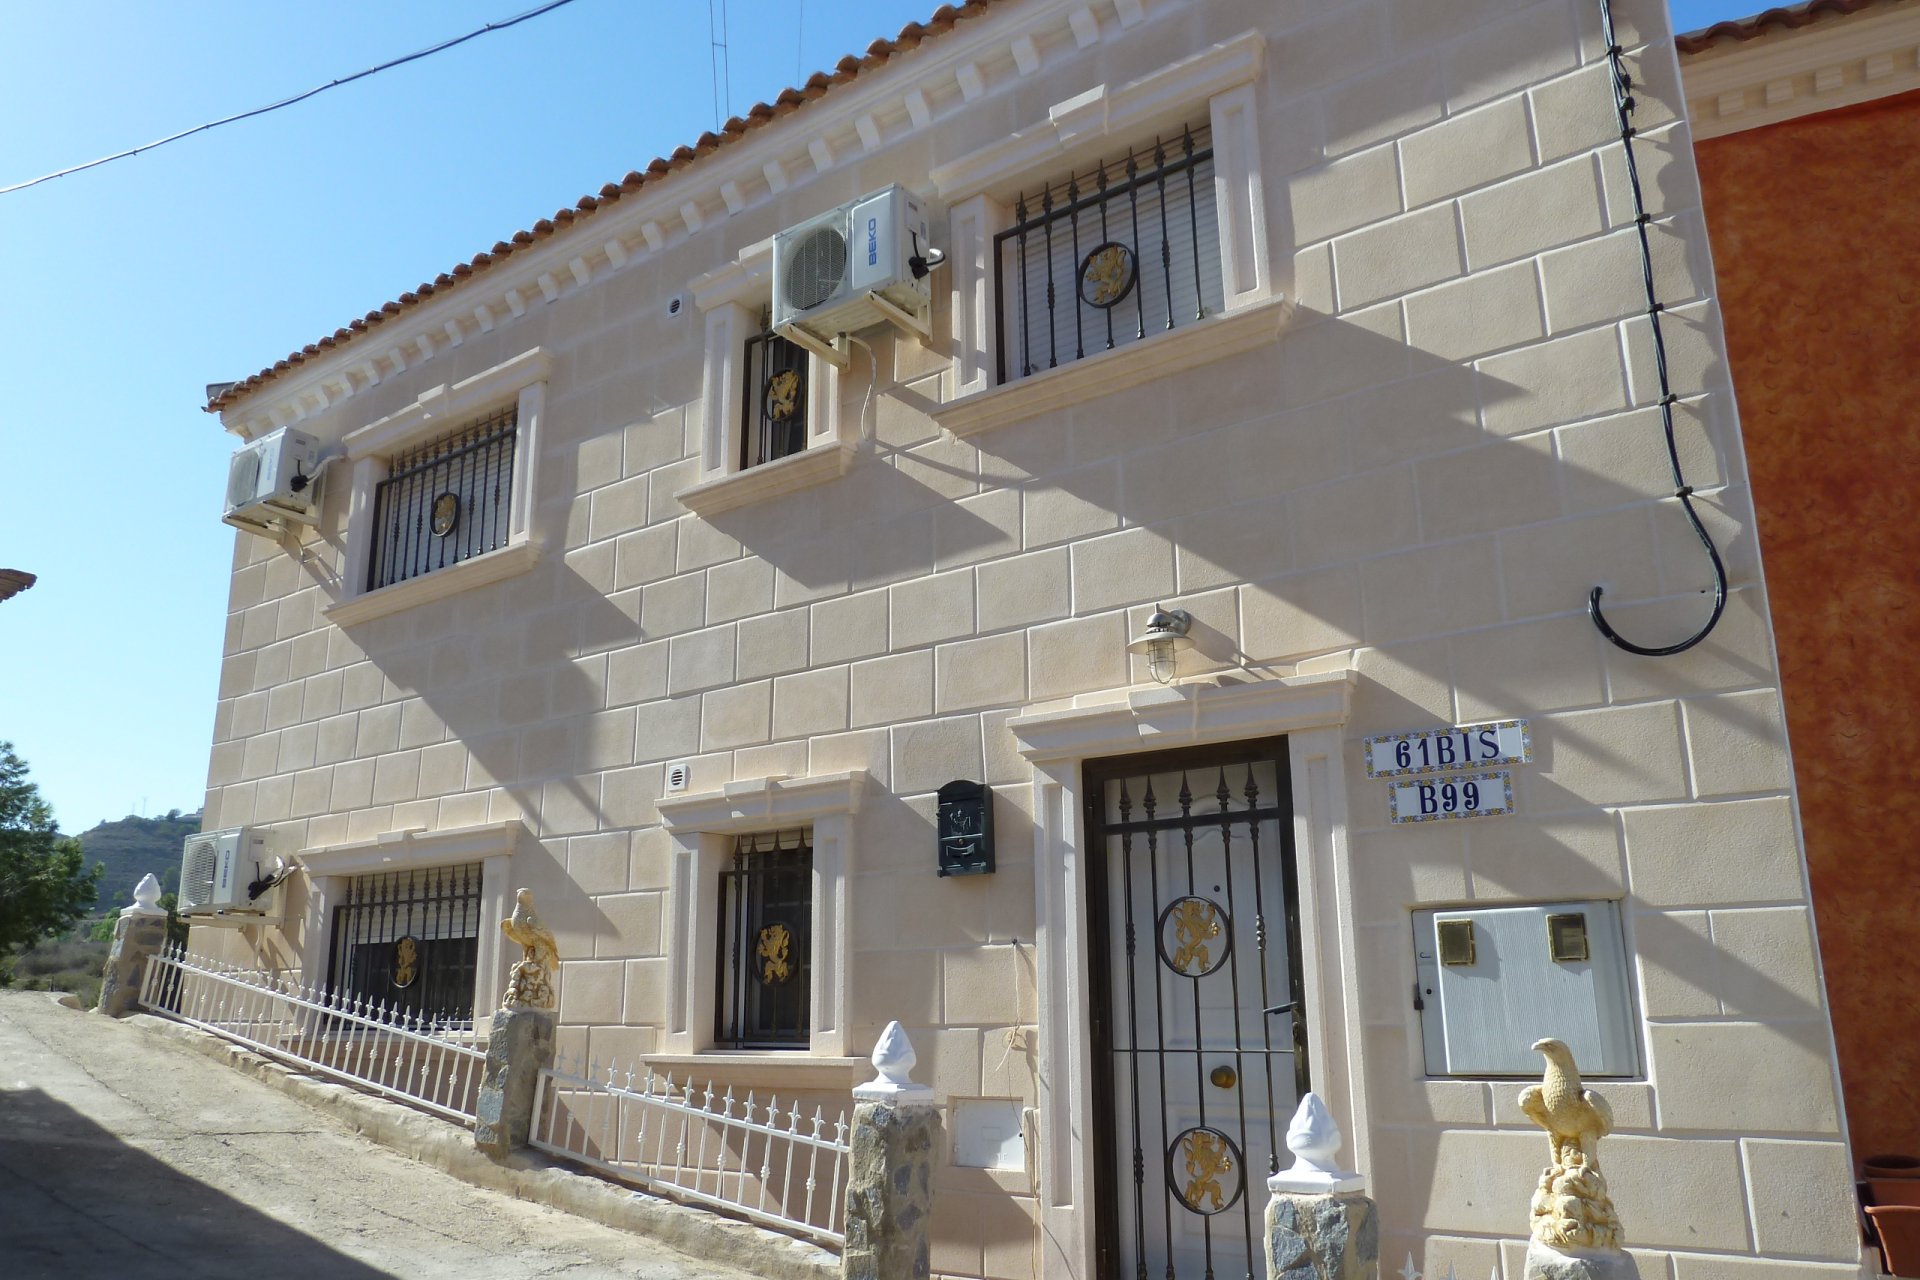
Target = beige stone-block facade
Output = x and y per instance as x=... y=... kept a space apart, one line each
x=1418 y=422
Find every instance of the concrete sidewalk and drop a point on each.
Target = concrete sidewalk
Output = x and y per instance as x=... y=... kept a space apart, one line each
x=125 y=1154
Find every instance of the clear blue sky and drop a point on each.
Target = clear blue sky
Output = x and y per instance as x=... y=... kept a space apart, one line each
x=124 y=290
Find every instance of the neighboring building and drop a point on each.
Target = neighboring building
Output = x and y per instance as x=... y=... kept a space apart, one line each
x=616 y=596
x=1807 y=135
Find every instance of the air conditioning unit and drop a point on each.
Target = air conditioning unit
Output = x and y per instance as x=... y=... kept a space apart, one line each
x=217 y=872
x=862 y=264
x=270 y=481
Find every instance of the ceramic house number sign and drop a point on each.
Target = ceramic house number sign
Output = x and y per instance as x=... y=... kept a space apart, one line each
x=1393 y=755
x=1440 y=773
x=1454 y=795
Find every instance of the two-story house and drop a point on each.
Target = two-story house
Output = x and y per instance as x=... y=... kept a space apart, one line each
x=1221 y=485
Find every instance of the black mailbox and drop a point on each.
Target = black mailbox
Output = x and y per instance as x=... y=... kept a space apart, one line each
x=966 y=829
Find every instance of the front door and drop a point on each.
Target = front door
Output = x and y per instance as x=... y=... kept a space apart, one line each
x=1199 y=1045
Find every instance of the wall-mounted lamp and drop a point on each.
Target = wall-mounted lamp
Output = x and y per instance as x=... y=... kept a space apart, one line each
x=1164 y=636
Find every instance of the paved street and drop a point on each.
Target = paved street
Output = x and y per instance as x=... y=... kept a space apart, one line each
x=122 y=1155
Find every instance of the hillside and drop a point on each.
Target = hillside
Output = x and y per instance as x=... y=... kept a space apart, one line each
x=133 y=846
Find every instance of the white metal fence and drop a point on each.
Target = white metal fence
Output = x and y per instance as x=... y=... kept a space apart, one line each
x=767 y=1161
x=411 y=1059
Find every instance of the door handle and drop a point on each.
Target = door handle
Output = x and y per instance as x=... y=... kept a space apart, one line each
x=1291 y=1007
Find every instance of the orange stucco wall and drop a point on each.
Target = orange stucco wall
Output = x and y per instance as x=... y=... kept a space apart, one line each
x=1815 y=225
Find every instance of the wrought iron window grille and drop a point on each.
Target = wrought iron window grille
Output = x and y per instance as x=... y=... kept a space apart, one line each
x=765 y=943
x=773 y=399
x=1108 y=257
x=410 y=941
x=444 y=501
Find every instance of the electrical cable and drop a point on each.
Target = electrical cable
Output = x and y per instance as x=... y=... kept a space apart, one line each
x=716 y=47
x=415 y=56
x=873 y=383
x=726 y=61
x=1623 y=107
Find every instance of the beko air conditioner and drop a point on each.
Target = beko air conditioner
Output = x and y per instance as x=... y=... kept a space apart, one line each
x=218 y=870
x=851 y=268
x=271 y=481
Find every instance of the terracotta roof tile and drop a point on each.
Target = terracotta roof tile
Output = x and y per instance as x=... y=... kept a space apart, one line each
x=14 y=581
x=1760 y=24
x=785 y=103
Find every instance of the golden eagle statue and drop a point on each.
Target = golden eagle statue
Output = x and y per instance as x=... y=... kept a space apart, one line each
x=530 y=982
x=1571 y=1208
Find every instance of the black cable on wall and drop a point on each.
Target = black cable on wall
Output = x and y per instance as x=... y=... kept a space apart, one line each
x=1623 y=108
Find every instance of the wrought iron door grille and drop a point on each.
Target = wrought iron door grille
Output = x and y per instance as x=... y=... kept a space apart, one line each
x=409 y=941
x=1108 y=257
x=443 y=502
x=1197 y=992
x=773 y=401
x=766 y=942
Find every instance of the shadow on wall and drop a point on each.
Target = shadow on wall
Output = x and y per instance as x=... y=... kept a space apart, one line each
x=81 y=1202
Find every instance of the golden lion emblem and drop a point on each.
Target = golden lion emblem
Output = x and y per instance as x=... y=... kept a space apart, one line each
x=1107 y=276
x=406 y=959
x=783 y=395
x=1195 y=924
x=775 y=945
x=1208 y=1160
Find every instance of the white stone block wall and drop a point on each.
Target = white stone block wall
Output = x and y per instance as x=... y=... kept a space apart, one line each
x=1454 y=437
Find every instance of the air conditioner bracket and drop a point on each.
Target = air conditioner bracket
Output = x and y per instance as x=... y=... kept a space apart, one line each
x=835 y=353
x=919 y=325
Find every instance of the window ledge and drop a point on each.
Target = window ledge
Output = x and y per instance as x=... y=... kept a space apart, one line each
x=1214 y=338
x=788 y=1068
x=495 y=566
x=813 y=465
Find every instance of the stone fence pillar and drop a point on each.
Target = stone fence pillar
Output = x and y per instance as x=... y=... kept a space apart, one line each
x=1321 y=1225
x=141 y=931
x=896 y=1133
x=520 y=1042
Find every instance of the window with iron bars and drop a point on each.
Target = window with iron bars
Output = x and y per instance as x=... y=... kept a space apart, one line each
x=444 y=501
x=1110 y=256
x=766 y=943
x=773 y=401
x=410 y=940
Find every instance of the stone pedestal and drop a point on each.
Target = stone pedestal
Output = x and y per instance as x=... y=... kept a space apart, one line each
x=518 y=1047
x=1320 y=1223
x=141 y=931
x=1322 y=1237
x=1544 y=1262
x=890 y=1191
x=896 y=1131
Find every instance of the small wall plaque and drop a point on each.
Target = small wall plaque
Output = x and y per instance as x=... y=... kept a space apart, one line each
x=1456 y=795
x=1393 y=755
x=965 y=824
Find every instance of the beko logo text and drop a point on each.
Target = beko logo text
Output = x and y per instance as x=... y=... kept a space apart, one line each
x=873 y=241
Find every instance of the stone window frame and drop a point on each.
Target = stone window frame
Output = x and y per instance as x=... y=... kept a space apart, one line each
x=1222 y=81
x=703 y=827
x=734 y=299
x=521 y=382
x=330 y=870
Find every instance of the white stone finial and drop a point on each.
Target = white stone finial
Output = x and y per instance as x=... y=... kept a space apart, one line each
x=1314 y=1135
x=893 y=1060
x=893 y=1055
x=146 y=898
x=1314 y=1138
